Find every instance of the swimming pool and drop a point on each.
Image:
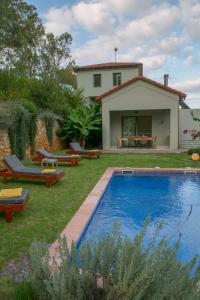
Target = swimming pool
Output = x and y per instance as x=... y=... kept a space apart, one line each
x=171 y=198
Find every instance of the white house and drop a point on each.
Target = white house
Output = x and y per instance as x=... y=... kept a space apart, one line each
x=136 y=111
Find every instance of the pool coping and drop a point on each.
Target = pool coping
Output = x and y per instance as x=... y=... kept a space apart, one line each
x=80 y=220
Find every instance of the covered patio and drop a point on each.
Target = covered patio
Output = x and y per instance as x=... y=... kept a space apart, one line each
x=137 y=129
x=141 y=114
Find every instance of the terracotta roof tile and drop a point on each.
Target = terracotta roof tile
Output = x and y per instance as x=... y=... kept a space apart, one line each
x=129 y=82
x=109 y=65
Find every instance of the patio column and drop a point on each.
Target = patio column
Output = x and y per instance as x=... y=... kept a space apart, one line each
x=173 y=138
x=106 y=129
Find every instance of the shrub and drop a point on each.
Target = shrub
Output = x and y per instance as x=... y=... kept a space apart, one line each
x=115 y=268
x=81 y=123
x=21 y=126
x=194 y=150
x=24 y=291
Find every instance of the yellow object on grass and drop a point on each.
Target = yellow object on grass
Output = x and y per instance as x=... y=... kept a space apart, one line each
x=75 y=155
x=48 y=171
x=11 y=193
x=195 y=156
x=94 y=150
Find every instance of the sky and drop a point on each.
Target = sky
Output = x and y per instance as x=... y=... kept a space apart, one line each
x=162 y=34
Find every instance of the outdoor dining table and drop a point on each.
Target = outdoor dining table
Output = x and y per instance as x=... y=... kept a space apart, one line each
x=137 y=139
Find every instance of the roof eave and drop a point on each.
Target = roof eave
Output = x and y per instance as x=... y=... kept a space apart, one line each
x=96 y=67
x=181 y=95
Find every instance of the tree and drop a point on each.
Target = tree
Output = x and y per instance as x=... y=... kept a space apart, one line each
x=81 y=121
x=67 y=76
x=54 y=52
x=20 y=32
x=24 y=45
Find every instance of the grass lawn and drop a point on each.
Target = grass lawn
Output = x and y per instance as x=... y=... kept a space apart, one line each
x=49 y=210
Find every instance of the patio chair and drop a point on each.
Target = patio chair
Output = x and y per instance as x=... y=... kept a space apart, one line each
x=154 y=141
x=10 y=205
x=42 y=154
x=15 y=169
x=76 y=149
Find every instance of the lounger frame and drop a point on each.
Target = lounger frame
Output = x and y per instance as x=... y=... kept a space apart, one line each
x=10 y=209
x=89 y=154
x=76 y=149
x=74 y=161
x=49 y=180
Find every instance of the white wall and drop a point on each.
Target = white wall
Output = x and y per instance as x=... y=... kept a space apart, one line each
x=141 y=96
x=85 y=79
x=186 y=126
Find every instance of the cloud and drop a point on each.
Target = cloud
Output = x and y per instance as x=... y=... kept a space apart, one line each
x=170 y=46
x=192 y=29
x=126 y=6
x=189 y=85
x=193 y=100
x=159 y=34
x=192 y=89
x=96 y=50
x=139 y=40
x=93 y=17
x=188 y=50
x=191 y=56
x=59 y=20
x=190 y=18
x=153 y=62
x=153 y=26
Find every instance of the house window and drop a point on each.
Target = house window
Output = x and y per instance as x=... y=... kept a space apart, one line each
x=97 y=80
x=128 y=126
x=117 y=79
x=144 y=125
x=140 y=125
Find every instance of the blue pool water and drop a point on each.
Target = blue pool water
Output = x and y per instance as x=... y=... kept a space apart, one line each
x=173 y=199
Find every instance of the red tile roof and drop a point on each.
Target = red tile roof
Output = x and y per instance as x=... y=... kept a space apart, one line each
x=109 y=65
x=129 y=82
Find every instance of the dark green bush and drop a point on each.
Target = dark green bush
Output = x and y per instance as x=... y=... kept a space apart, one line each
x=20 y=124
x=194 y=150
x=115 y=268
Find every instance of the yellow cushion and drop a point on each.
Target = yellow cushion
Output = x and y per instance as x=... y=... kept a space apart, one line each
x=74 y=155
x=11 y=193
x=47 y=171
x=94 y=150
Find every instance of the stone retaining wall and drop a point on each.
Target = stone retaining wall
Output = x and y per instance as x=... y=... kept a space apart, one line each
x=41 y=140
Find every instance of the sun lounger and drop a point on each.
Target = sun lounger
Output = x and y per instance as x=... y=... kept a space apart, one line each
x=15 y=169
x=14 y=204
x=42 y=154
x=76 y=149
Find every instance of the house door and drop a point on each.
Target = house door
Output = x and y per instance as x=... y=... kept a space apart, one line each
x=128 y=126
x=144 y=125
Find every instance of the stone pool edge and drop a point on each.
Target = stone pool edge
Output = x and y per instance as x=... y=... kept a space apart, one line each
x=80 y=220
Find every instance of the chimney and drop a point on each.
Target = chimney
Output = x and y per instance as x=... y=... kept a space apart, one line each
x=166 y=79
x=140 y=69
